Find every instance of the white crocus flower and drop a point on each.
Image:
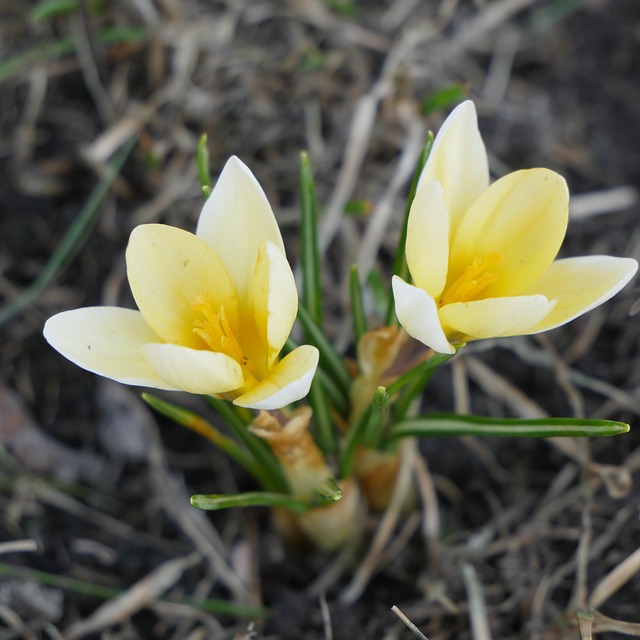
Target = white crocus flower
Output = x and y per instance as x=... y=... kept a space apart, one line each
x=482 y=257
x=215 y=308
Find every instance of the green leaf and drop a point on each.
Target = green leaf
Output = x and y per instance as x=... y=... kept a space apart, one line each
x=196 y=423
x=260 y=450
x=310 y=254
x=329 y=491
x=330 y=359
x=103 y=592
x=444 y=424
x=202 y=163
x=399 y=262
x=74 y=238
x=216 y=502
x=353 y=438
x=325 y=433
x=51 y=8
x=444 y=98
x=22 y=60
x=379 y=414
x=357 y=305
x=427 y=366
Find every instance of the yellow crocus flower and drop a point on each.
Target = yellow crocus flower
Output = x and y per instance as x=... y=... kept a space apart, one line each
x=215 y=308
x=482 y=257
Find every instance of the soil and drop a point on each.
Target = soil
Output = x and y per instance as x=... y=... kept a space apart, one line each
x=94 y=487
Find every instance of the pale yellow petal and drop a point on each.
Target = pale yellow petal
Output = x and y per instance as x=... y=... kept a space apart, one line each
x=273 y=299
x=581 y=284
x=427 y=246
x=495 y=317
x=192 y=370
x=289 y=380
x=107 y=341
x=169 y=268
x=236 y=220
x=458 y=161
x=522 y=219
x=417 y=312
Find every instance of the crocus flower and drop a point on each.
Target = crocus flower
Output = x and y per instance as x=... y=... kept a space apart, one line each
x=215 y=308
x=482 y=256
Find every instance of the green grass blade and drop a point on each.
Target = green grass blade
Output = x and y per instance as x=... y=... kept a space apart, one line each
x=310 y=254
x=197 y=423
x=324 y=431
x=101 y=592
x=216 y=502
x=399 y=262
x=330 y=359
x=259 y=449
x=202 y=163
x=357 y=305
x=352 y=439
x=73 y=238
x=445 y=425
x=337 y=396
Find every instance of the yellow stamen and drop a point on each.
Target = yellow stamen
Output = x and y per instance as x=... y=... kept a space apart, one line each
x=473 y=281
x=215 y=330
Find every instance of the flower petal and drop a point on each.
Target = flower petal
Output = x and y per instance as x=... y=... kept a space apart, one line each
x=495 y=317
x=236 y=220
x=427 y=246
x=458 y=161
x=523 y=219
x=288 y=381
x=168 y=268
x=106 y=341
x=192 y=370
x=581 y=284
x=417 y=312
x=273 y=300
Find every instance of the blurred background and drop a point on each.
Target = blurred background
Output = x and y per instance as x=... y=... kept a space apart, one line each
x=102 y=103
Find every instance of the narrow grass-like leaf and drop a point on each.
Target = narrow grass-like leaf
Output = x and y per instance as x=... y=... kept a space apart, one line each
x=325 y=433
x=73 y=238
x=89 y=589
x=202 y=163
x=357 y=305
x=352 y=439
x=329 y=491
x=330 y=359
x=216 y=502
x=444 y=424
x=427 y=366
x=52 y=8
x=196 y=423
x=259 y=449
x=379 y=413
x=443 y=98
x=337 y=396
x=309 y=252
x=399 y=262
x=22 y=60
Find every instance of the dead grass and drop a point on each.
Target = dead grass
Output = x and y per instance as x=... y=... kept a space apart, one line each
x=510 y=538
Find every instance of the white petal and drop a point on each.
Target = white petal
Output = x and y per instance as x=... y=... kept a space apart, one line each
x=417 y=312
x=192 y=370
x=427 y=247
x=581 y=284
x=458 y=161
x=236 y=220
x=288 y=381
x=107 y=341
